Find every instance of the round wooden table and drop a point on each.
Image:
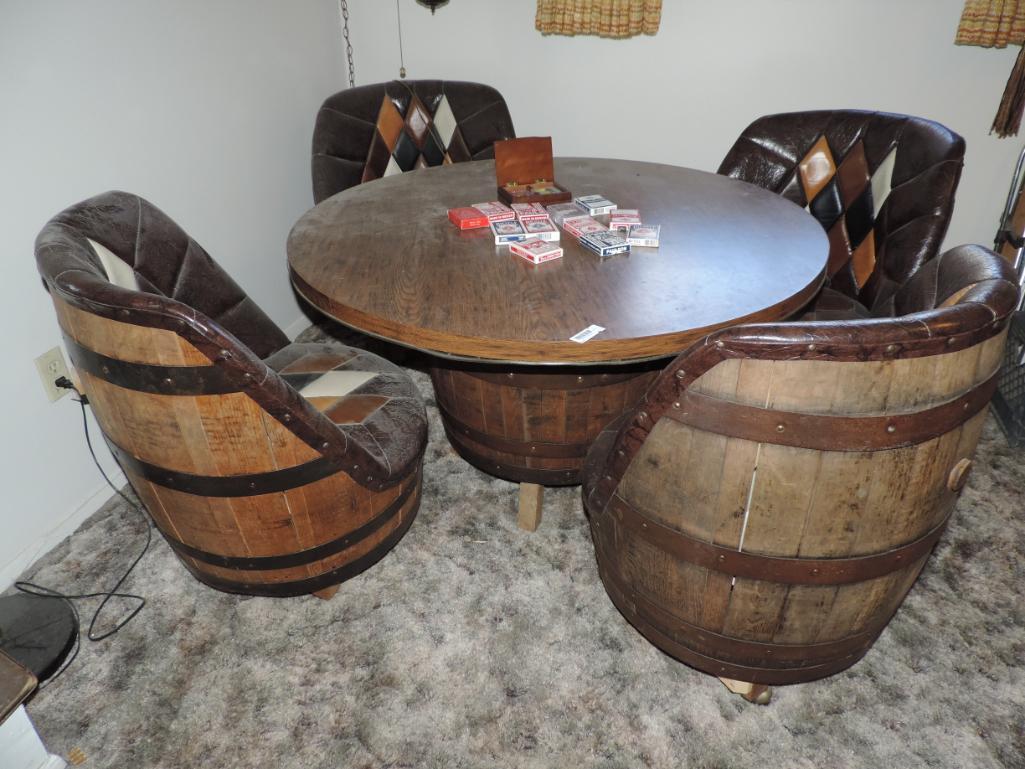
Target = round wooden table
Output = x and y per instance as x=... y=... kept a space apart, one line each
x=518 y=398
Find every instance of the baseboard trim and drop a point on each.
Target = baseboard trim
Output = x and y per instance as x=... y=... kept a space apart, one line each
x=13 y=569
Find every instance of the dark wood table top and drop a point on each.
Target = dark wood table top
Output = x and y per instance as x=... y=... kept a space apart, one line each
x=383 y=258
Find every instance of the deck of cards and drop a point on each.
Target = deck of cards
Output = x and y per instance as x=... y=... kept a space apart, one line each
x=536 y=251
x=624 y=218
x=467 y=218
x=495 y=211
x=562 y=211
x=540 y=228
x=508 y=232
x=645 y=235
x=525 y=212
x=605 y=243
x=595 y=205
x=579 y=226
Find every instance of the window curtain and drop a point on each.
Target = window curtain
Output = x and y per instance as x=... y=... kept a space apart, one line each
x=606 y=18
x=997 y=24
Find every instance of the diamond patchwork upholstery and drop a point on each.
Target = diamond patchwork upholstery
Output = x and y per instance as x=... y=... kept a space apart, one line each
x=372 y=401
x=881 y=185
x=366 y=133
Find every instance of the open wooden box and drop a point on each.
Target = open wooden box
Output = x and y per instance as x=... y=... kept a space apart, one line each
x=526 y=173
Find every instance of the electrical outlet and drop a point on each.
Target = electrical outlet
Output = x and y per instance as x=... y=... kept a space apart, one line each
x=51 y=367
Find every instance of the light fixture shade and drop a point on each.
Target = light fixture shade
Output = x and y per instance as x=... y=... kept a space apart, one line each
x=432 y=4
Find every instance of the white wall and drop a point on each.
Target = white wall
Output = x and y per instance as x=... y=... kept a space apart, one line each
x=206 y=109
x=711 y=69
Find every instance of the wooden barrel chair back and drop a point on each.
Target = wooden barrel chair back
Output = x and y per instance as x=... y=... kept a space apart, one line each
x=255 y=489
x=765 y=509
x=882 y=186
x=372 y=131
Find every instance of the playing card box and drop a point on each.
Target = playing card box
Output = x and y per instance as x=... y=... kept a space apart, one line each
x=645 y=235
x=495 y=211
x=467 y=218
x=536 y=250
x=525 y=171
x=527 y=211
x=624 y=218
x=562 y=211
x=578 y=226
x=595 y=205
x=541 y=228
x=508 y=232
x=605 y=243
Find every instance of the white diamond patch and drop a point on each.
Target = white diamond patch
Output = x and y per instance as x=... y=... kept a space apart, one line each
x=392 y=168
x=335 y=384
x=119 y=272
x=882 y=181
x=445 y=122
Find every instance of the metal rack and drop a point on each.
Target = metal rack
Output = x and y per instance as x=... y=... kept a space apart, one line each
x=1009 y=399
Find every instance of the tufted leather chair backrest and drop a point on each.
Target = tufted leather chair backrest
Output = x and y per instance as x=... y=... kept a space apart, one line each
x=377 y=130
x=882 y=186
x=141 y=303
x=133 y=244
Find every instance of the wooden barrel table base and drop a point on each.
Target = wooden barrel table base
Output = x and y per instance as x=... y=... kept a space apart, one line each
x=531 y=425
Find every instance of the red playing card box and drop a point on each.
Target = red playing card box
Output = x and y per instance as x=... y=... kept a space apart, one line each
x=467 y=218
x=535 y=250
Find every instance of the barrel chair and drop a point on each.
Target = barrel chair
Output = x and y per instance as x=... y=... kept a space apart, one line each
x=365 y=133
x=881 y=185
x=270 y=468
x=764 y=509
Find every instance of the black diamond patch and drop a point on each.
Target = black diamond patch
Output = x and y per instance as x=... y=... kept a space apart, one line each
x=826 y=207
x=433 y=152
x=405 y=153
x=859 y=218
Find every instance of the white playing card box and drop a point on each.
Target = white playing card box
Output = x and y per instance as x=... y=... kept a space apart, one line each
x=536 y=251
x=596 y=205
x=508 y=232
x=644 y=235
x=541 y=228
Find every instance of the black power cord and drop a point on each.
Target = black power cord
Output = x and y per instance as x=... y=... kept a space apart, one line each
x=69 y=598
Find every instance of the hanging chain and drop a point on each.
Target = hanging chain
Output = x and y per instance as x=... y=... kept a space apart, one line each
x=344 y=8
x=402 y=63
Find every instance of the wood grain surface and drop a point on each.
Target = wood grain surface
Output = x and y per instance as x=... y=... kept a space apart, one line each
x=383 y=258
x=781 y=501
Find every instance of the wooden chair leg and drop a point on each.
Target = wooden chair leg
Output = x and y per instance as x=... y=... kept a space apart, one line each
x=531 y=500
x=326 y=593
x=759 y=694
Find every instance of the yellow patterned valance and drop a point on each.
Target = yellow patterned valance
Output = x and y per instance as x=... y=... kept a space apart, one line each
x=992 y=23
x=607 y=18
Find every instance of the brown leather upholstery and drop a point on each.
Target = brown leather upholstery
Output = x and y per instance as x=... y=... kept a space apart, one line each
x=372 y=131
x=761 y=513
x=882 y=186
x=298 y=446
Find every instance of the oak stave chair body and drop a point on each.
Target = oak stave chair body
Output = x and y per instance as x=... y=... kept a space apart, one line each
x=882 y=186
x=763 y=511
x=259 y=488
x=371 y=131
